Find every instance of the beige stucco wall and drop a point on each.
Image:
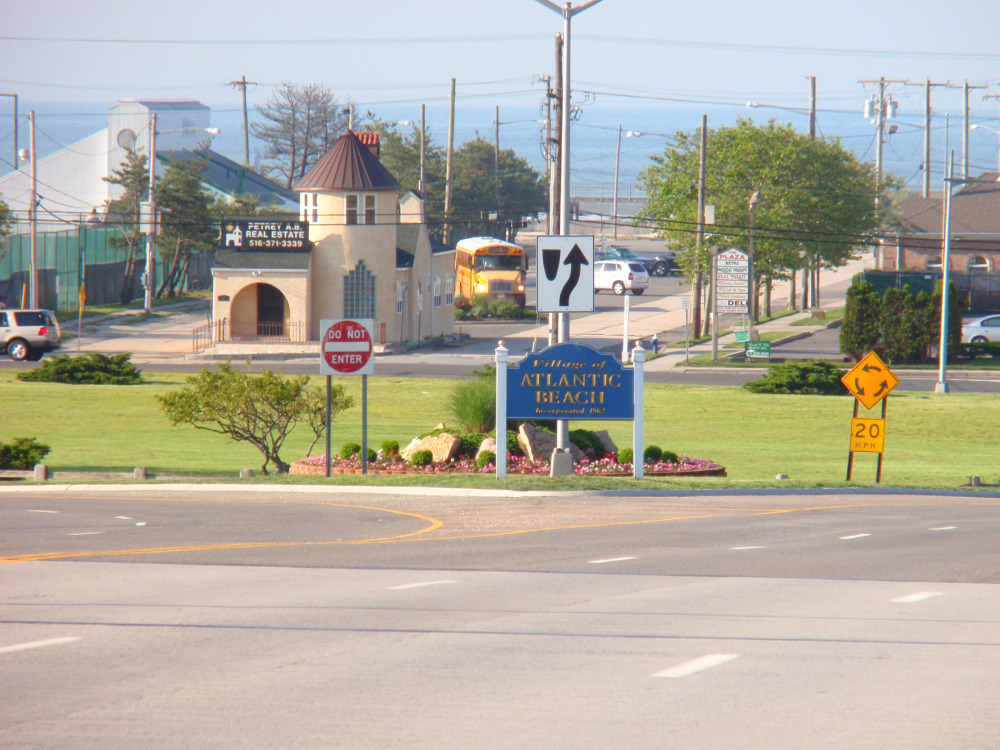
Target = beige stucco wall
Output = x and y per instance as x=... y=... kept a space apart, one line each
x=239 y=286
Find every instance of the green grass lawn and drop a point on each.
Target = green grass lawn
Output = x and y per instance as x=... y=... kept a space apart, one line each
x=934 y=441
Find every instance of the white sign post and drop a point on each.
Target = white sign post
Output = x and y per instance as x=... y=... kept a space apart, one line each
x=565 y=274
x=347 y=348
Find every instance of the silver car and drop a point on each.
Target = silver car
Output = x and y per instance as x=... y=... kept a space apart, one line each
x=981 y=330
x=620 y=276
x=28 y=334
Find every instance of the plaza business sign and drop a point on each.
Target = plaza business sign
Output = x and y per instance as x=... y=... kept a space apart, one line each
x=570 y=381
x=264 y=236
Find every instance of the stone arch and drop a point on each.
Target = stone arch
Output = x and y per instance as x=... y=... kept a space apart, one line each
x=259 y=309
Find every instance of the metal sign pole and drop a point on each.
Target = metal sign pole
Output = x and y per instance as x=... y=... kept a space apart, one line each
x=329 y=409
x=364 y=424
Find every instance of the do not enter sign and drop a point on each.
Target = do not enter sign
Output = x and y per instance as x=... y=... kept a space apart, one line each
x=346 y=347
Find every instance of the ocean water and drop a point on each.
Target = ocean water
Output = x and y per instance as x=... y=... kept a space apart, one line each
x=646 y=130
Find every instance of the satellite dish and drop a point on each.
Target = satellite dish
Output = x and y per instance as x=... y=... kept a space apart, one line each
x=126 y=139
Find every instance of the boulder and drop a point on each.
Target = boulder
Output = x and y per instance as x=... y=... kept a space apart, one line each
x=607 y=442
x=443 y=447
x=538 y=445
x=489 y=444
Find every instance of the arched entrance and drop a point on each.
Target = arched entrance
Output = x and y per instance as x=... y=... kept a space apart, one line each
x=260 y=311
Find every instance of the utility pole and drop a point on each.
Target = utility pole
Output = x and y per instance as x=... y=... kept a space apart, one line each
x=965 y=129
x=496 y=167
x=997 y=97
x=880 y=109
x=700 y=236
x=928 y=85
x=614 y=201
x=556 y=206
x=447 y=167
x=151 y=219
x=242 y=85
x=422 y=184
x=33 y=221
x=812 y=108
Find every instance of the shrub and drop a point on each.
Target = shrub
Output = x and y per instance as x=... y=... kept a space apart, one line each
x=87 y=369
x=463 y=303
x=22 y=453
x=473 y=404
x=257 y=409
x=389 y=447
x=625 y=456
x=587 y=441
x=485 y=459
x=470 y=443
x=460 y=314
x=505 y=309
x=372 y=455
x=652 y=454
x=349 y=450
x=810 y=377
x=669 y=457
x=422 y=458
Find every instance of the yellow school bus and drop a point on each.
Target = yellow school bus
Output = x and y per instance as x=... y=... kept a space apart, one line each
x=491 y=267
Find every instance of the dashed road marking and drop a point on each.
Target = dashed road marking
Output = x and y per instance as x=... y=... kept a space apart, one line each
x=41 y=511
x=609 y=560
x=421 y=585
x=912 y=598
x=36 y=644
x=854 y=536
x=943 y=528
x=750 y=547
x=85 y=533
x=697 y=665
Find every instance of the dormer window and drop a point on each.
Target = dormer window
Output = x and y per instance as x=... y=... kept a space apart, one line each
x=309 y=207
x=359 y=208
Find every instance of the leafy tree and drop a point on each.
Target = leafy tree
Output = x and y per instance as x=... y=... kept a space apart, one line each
x=474 y=191
x=860 y=331
x=401 y=156
x=892 y=317
x=187 y=223
x=6 y=219
x=818 y=198
x=258 y=409
x=132 y=175
x=300 y=124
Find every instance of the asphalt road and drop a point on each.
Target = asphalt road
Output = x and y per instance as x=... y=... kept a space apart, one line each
x=456 y=620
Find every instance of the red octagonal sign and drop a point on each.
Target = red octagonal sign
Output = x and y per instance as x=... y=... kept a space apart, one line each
x=346 y=347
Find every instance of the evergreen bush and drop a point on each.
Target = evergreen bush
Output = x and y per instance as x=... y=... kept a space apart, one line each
x=485 y=459
x=422 y=458
x=810 y=377
x=87 y=369
x=587 y=441
x=652 y=454
x=625 y=456
x=389 y=447
x=349 y=450
x=22 y=453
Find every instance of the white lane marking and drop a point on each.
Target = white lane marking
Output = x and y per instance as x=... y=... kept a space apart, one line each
x=36 y=644
x=609 y=560
x=85 y=533
x=419 y=585
x=854 y=536
x=943 y=528
x=739 y=548
x=141 y=523
x=697 y=665
x=42 y=511
x=123 y=518
x=910 y=599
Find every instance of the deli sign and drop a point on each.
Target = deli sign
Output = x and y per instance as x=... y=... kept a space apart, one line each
x=261 y=235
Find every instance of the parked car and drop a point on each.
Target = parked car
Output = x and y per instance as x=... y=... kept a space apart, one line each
x=619 y=276
x=981 y=330
x=659 y=265
x=28 y=334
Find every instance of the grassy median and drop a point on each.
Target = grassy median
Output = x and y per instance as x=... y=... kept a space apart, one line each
x=932 y=441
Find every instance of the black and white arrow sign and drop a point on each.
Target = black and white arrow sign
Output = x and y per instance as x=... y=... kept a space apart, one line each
x=565 y=274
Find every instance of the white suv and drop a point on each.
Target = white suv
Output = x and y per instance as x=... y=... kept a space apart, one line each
x=28 y=334
x=619 y=276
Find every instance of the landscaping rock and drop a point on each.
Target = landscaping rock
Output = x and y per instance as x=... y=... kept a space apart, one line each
x=538 y=445
x=607 y=442
x=489 y=444
x=443 y=447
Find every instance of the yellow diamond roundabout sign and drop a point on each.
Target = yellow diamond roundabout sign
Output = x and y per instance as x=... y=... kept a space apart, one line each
x=870 y=380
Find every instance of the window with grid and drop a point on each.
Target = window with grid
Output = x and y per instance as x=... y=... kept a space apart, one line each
x=350 y=209
x=400 y=296
x=359 y=293
x=437 y=291
x=449 y=290
x=309 y=207
x=369 y=209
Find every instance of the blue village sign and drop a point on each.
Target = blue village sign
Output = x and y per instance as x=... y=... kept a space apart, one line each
x=570 y=381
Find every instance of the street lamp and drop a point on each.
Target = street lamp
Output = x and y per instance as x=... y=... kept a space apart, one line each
x=150 y=212
x=995 y=132
x=755 y=198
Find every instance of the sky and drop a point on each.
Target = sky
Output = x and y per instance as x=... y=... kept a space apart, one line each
x=390 y=56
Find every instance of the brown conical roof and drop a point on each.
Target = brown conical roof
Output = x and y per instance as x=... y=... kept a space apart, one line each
x=349 y=165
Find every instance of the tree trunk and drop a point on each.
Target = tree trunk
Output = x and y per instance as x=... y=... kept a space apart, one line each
x=169 y=275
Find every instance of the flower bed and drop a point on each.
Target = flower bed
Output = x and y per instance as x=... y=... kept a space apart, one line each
x=604 y=467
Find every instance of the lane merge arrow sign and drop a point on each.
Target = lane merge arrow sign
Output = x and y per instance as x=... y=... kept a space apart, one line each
x=565 y=274
x=870 y=380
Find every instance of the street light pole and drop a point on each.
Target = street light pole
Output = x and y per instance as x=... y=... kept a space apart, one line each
x=614 y=204
x=942 y=385
x=754 y=200
x=147 y=277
